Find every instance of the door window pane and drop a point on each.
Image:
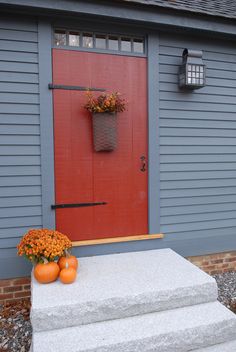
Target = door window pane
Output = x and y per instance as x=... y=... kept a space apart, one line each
x=138 y=45
x=73 y=38
x=113 y=43
x=87 y=40
x=60 y=37
x=125 y=44
x=100 y=41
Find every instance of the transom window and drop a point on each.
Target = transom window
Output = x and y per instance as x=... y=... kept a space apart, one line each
x=90 y=40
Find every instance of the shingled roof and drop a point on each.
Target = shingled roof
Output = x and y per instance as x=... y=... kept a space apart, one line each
x=222 y=8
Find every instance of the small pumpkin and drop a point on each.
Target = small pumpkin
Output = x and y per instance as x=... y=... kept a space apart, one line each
x=68 y=274
x=71 y=260
x=46 y=272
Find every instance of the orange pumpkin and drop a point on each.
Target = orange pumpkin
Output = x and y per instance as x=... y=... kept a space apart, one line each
x=71 y=260
x=47 y=272
x=68 y=274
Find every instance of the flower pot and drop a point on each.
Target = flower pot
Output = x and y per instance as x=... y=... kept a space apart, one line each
x=104 y=131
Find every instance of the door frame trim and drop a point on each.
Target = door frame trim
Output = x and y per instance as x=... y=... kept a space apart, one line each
x=45 y=28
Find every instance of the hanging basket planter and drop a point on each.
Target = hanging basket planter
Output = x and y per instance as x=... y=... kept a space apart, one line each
x=104 y=109
x=104 y=131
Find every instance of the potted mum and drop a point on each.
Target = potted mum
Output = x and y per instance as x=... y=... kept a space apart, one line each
x=104 y=109
x=42 y=247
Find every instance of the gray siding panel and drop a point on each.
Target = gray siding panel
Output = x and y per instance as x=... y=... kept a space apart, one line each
x=20 y=161
x=197 y=147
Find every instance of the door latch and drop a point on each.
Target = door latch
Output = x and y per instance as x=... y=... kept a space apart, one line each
x=143 y=163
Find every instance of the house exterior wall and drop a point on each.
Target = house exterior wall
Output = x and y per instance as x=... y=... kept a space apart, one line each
x=20 y=172
x=192 y=146
x=198 y=145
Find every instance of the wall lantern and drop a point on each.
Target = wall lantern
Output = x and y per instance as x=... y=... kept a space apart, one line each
x=192 y=73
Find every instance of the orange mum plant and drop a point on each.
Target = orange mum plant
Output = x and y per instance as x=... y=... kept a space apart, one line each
x=43 y=245
x=106 y=102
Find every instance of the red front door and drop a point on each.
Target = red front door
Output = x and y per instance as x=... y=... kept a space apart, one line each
x=85 y=176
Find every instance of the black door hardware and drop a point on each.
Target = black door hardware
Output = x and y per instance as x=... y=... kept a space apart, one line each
x=143 y=163
x=76 y=205
x=64 y=87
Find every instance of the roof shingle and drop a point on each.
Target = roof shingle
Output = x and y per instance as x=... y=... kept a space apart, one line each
x=222 y=8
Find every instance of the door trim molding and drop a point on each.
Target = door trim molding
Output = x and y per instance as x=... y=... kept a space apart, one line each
x=46 y=123
x=153 y=135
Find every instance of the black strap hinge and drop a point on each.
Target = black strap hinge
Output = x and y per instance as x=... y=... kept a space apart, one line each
x=76 y=205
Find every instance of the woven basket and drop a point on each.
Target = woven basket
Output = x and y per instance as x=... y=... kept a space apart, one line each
x=104 y=131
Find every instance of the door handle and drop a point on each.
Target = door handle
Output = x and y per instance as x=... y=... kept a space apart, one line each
x=143 y=167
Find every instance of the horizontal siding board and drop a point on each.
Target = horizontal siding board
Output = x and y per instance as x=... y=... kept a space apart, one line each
x=198 y=98
x=208 y=158
x=196 y=192
x=197 y=106
x=195 y=115
x=13 y=87
x=15 y=232
x=20 y=170
x=197 y=200
x=13 y=140
x=198 y=217
x=21 y=201
x=200 y=235
x=9 y=108
x=219 y=91
x=20 y=191
x=18 y=23
x=19 y=150
x=18 y=67
x=19 y=160
x=192 y=123
x=198 y=141
x=197 y=132
x=20 y=221
x=25 y=36
x=19 y=77
x=194 y=149
x=14 y=45
x=21 y=98
x=198 y=209
x=205 y=183
x=21 y=129
x=195 y=42
x=17 y=56
x=197 y=175
x=7 y=181
x=217 y=166
x=20 y=211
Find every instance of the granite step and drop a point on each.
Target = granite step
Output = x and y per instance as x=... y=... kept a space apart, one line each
x=118 y=286
x=222 y=347
x=184 y=329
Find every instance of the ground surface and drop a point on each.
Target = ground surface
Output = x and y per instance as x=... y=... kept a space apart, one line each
x=15 y=327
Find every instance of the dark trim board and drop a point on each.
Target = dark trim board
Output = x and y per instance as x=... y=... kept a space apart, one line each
x=124 y=12
x=46 y=122
x=153 y=136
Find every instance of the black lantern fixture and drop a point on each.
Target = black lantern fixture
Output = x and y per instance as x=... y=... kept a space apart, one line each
x=192 y=73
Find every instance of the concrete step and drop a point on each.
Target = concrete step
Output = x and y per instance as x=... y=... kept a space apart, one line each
x=178 y=330
x=118 y=286
x=222 y=347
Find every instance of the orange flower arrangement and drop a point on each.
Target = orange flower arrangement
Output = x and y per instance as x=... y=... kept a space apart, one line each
x=40 y=245
x=105 y=103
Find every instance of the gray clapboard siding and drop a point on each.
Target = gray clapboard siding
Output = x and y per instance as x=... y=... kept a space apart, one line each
x=197 y=144
x=20 y=171
x=24 y=201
